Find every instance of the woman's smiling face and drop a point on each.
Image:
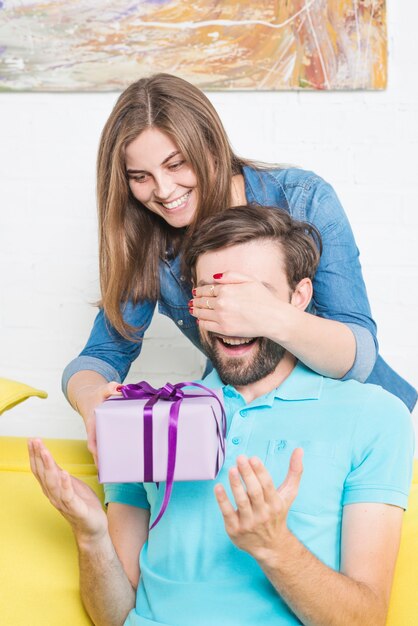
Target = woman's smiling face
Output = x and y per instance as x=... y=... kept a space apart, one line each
x=160 y=177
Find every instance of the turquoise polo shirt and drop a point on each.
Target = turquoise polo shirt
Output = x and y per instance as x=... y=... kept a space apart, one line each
x=358 y=447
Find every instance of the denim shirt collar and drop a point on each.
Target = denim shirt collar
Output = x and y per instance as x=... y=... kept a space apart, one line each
x=263 y=188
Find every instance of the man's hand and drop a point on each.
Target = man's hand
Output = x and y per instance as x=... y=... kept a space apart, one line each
x=258 y=525
x=71 y=497
x=105 y=589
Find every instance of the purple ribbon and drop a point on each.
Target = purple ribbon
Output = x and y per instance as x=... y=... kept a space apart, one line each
x=175 y=395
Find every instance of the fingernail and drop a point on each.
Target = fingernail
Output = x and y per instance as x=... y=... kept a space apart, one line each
x=194 y=292
x=119 y=388
x=217 y=276
x=190 y=303
x=191 y=310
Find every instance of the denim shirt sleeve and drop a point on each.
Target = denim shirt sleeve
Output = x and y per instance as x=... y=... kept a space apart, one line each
x=339 y=289
x=106 y=351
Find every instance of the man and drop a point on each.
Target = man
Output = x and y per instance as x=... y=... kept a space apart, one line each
x=278 y=543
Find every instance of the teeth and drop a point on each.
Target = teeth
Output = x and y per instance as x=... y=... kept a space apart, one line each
x=236 y=342
x=176 y=203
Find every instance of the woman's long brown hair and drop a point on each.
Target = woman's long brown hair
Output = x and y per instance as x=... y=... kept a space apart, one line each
x=132 y=239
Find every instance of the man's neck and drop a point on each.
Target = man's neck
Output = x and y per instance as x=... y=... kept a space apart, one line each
x=270 y=382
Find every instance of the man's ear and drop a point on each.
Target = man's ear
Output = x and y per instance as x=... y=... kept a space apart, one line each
x=302 y=294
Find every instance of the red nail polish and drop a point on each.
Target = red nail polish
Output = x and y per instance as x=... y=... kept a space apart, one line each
x=119 y=388
x=194 y=292
x=190 y=303
x=217 y=276
x=191 y=310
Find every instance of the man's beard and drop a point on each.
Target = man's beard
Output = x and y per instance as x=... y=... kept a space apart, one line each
x=239 y=372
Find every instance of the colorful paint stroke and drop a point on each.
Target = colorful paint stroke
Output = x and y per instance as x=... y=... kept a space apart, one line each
x=88 y=45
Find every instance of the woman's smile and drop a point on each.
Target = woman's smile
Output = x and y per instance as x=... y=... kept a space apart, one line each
x=178 y=203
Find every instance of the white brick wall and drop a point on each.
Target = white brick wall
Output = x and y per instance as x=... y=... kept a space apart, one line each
x=365 y=144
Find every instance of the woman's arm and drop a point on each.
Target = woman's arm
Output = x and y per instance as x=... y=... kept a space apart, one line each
x=103 y=363
x=340 y=340
x=326 y=346
x=86 y=390
x=106 y=351
x=339 y=290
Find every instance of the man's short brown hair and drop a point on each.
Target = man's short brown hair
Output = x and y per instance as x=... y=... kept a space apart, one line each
x=300 y=242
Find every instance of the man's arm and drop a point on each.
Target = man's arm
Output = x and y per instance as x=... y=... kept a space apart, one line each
x=106 y=590
x=317 y=594
x=128 y=529
x=358 y=595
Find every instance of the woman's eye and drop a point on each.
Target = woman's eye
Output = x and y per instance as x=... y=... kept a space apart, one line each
x=139 y=179
x=176 y=166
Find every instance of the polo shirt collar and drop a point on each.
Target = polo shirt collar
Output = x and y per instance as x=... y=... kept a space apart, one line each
x=301 y=384
x=213 y=381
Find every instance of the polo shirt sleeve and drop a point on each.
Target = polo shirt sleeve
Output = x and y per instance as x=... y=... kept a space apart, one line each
x=133 y=494
x=383 y=449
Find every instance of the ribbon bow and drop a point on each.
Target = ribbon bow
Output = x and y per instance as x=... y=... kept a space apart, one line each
x=175 y=395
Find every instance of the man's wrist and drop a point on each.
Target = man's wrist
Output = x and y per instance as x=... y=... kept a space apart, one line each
x=90 y=543
x=273 y=557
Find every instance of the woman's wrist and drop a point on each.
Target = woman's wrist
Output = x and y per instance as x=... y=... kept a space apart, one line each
x=82 y=390
x=81 y=397
x=283 y=323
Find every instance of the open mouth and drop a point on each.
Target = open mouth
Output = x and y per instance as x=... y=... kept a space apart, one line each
x=236 y=345
x=180 y=202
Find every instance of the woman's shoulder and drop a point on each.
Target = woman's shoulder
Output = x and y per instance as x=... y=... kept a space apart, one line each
x=297 y=190
x=287 y=176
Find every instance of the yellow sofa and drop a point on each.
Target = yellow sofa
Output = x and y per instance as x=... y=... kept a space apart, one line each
x=38 y=563
x=39 y=568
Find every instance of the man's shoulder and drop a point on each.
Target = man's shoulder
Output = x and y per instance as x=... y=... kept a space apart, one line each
x=361 y=398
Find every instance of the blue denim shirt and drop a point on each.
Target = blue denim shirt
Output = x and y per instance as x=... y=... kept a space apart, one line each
x=339 y=290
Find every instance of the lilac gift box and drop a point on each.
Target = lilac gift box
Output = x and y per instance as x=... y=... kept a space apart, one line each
x=167 y=434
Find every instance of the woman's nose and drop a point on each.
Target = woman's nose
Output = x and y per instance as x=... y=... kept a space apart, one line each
x=164 y=186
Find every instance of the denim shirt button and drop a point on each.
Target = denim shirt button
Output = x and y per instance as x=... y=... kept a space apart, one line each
x=180 y=322
x=182 y=278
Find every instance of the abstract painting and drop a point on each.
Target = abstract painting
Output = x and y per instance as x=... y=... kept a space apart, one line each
x=93 y=45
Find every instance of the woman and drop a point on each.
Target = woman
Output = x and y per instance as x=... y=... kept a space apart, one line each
x=164 y=164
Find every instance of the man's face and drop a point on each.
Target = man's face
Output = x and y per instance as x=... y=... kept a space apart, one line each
x=241 y=361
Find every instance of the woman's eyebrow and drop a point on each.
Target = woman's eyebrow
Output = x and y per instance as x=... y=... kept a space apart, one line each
x=170 y=156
